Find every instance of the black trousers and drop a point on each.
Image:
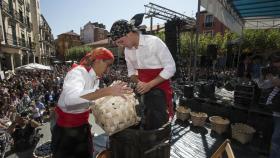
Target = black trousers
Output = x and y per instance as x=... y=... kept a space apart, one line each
x=74 y=142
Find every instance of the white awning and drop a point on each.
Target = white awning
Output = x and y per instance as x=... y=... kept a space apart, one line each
x=33 y=66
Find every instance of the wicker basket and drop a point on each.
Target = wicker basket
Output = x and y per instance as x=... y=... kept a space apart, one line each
x=198 y=118
x=183 y=113
x=242 y=132
x=219 y=124
x=114 y=113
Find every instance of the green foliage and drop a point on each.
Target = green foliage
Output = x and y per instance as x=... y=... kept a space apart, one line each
x=161 y=35
x=253 y=41
x=77 y=53
x=261 y=40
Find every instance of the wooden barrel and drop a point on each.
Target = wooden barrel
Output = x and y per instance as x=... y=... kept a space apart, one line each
x=135 y=143
x=104 y=154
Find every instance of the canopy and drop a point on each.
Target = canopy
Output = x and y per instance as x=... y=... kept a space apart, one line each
x=239 y=14
x=33 y=66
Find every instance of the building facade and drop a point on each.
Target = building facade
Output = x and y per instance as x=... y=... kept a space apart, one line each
x=35 y=15
x=65 y=41
x=17 y=47
x=46 y=41
x=1 y=39
x=20 y=28
x=93 y=32
x=208 y=24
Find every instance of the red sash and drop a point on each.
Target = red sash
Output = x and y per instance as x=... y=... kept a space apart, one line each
x=71 y=120
x=146 y=75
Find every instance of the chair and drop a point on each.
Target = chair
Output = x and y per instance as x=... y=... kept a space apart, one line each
x=225 y=147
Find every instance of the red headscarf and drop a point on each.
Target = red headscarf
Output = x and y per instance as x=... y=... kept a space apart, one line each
x=98 y=53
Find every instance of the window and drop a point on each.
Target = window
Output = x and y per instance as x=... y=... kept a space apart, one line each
x=21 y=16
x=28 y=22
x=23 y=44
x=29 y=42
x=208 y=22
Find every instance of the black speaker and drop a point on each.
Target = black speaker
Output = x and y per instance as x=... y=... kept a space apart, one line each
x=212 y=51
x=188 y=91
x=171 y=38
x=205 y=61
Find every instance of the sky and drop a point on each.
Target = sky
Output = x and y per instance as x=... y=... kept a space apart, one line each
x=66 y=15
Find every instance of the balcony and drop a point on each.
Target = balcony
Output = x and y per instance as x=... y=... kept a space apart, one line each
x=19 y=17
x=44 y=27
x=11 y=39
x=28 y=7
x=29 y=26
x=22 y=42
x=6 y=8
x=21 y=2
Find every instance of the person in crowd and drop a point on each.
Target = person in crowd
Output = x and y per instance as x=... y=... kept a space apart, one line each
x=244 y=69
x=26 y=99
x=256 y=67
x=40 y=106
x=22 y=131
x=150 y=65
x=71 y=135
x=273 y=101
x=36 y=115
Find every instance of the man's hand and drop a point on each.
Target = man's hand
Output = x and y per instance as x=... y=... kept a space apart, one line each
x=143 y=87
x=120 y=89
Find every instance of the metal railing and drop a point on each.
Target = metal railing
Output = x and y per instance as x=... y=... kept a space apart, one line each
x=19 y=42
x=6 y=8
x=29 y=26
x=20 y=18
x=11 y=40
x=21 y=2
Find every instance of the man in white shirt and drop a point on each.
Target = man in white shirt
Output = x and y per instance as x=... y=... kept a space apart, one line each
x=149 y=61
x=71 y=136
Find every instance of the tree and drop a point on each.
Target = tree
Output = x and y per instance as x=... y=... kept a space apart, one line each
x=76 y=53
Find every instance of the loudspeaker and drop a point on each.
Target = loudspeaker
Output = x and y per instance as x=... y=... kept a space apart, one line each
x=205 y=61
x=171 y=38
x=188 y=91
x=212 y=51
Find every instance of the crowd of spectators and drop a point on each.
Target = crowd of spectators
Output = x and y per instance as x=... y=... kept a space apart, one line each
x=28 y=95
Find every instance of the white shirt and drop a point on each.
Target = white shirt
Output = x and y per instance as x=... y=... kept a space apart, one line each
x=77 y=83
x=152 y=53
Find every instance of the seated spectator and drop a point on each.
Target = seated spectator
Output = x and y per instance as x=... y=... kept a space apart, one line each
x=40 y=106
x=36 y=113
x=22 y=132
